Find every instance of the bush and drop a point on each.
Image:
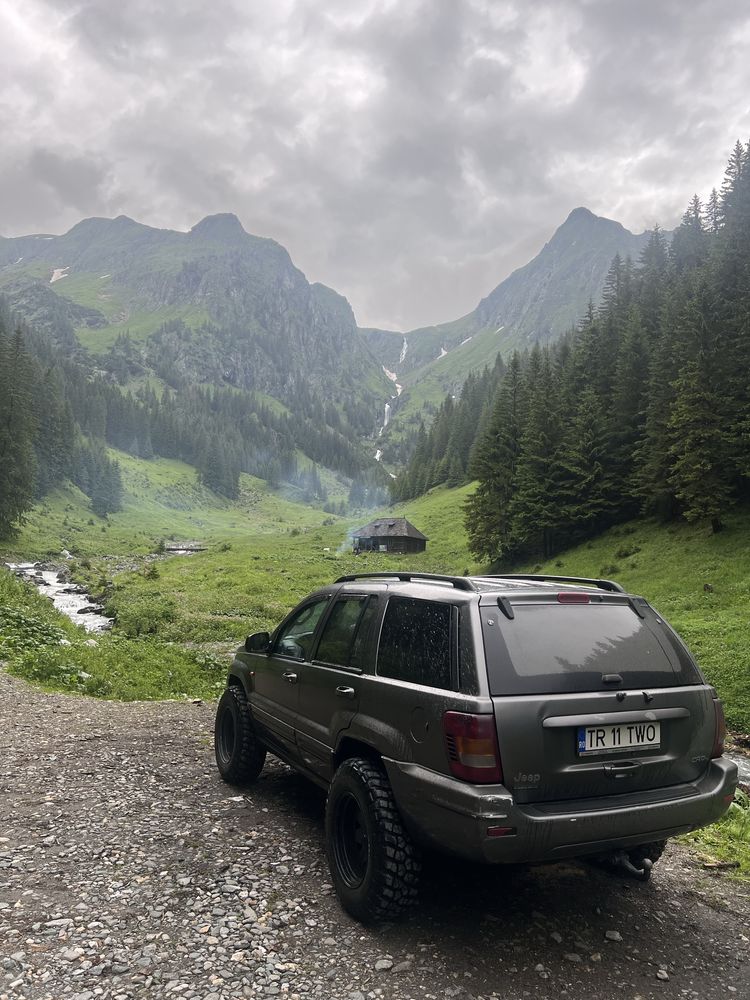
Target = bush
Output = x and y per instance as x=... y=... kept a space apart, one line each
x=22 y=630
x=144 y=615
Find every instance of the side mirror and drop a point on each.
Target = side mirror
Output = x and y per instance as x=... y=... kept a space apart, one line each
x=290 y=647
x=258 y=642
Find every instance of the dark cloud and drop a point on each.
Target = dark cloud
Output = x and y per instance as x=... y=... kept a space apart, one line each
x=410 y=153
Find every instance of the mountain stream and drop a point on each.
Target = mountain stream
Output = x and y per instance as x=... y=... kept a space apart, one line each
x=67 y=597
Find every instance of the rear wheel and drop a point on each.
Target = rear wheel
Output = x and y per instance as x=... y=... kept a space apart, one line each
x=374 y=864
x=239 y=755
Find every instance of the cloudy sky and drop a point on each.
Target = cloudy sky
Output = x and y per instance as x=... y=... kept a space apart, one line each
x=409 y=153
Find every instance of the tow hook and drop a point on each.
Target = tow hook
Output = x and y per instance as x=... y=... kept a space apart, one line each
x=621 y=859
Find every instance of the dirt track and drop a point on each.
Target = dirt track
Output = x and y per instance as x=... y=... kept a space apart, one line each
x=127 y=869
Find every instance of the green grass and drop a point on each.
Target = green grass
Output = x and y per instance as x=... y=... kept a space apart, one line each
x=162 y=499
x=138 y=323
x=93 y=291
x=47 y=649
x=728 y=841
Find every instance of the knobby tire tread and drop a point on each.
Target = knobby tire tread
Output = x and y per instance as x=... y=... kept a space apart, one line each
x=394 y=880
x=249 y=755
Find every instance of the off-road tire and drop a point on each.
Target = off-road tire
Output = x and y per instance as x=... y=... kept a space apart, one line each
x=240 y=756
x=374 y=864
x=651 y=852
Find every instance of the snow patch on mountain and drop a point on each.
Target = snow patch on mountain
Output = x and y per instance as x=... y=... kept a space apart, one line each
x=58 y=274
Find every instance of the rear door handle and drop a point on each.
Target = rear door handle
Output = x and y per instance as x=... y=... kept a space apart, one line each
x=345 y=692
x=290 y=677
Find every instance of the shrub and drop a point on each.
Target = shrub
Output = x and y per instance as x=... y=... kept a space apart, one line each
x=22 y=630
x=145 y=615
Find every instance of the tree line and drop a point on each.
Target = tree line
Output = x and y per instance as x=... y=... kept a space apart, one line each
x=41 y=443
x=58 y=416
x=643 y=409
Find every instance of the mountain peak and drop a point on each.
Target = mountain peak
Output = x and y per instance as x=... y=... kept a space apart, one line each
x=583 y=224
x=580 y=214
x=223 y=226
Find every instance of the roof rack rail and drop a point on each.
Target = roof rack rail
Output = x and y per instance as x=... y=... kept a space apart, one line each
x=544 y=578
x=459 y=582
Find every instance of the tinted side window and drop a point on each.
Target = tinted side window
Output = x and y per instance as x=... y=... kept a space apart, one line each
x=295 y=638
x=415 y=642
x=335 y=644
x=361 y=651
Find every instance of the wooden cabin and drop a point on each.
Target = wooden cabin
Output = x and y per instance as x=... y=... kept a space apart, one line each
x=389 y=534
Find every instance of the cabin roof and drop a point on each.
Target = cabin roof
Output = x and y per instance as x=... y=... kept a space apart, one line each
x=389 y=527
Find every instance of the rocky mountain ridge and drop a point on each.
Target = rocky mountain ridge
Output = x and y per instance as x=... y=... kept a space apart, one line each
x=217 y=305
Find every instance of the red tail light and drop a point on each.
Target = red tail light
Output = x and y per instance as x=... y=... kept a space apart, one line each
x=471 y=744
x=720 y=731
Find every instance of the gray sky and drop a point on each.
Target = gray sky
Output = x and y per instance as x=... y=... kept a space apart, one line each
x=409 y=154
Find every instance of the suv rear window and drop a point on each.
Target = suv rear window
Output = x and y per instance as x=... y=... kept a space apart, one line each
x=556 y=648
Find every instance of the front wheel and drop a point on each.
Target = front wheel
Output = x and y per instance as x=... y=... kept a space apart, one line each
x=374 y=864
x=239 y=755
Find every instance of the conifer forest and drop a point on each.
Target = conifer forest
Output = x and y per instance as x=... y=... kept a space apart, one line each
x=644 y=408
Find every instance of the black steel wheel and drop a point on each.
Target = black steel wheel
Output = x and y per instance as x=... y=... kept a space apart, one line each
x=374 y=864
x=239 y=754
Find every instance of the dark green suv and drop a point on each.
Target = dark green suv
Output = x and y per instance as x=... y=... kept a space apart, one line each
x=501 y=719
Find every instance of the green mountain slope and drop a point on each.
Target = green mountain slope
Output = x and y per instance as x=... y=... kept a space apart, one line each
x=213 y=305
x=162 y=499
x=537 y=303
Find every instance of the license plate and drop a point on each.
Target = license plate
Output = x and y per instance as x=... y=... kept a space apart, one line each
x=625 y=736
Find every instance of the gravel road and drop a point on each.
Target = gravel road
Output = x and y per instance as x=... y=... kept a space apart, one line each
x=127 y=869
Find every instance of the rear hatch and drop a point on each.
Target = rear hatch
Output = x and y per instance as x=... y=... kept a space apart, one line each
x=594 y=695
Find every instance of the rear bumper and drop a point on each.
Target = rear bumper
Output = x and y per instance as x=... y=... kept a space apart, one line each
x=453 y=816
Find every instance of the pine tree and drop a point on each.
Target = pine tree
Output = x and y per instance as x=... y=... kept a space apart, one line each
x=583 y=492
x=533 y=511
x=689 y=246
x=494 y=463
x=17 y=429
x=700 y=473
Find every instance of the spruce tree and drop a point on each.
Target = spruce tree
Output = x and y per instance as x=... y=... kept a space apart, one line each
x=494 y=463
x=17 y=430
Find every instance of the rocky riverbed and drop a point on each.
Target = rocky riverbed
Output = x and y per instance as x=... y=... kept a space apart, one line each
x=128 y=870
x=68 y=598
